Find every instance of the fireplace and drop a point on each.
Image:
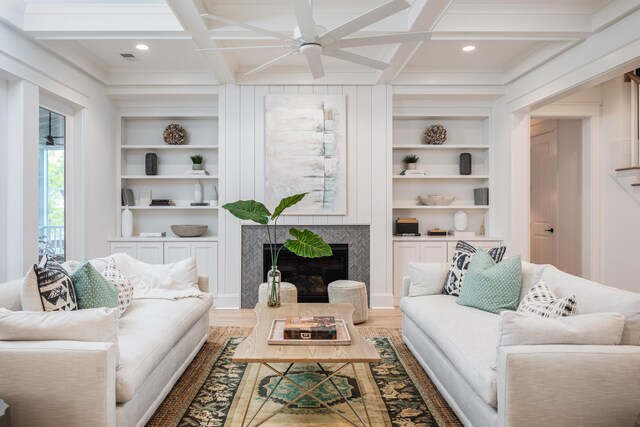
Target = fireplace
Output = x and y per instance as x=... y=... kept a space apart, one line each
x=310 y=275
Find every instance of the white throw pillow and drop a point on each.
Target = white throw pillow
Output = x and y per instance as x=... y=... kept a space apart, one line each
x=542 y=302
x=92 y=325
x=594 y=328
x=427 y=278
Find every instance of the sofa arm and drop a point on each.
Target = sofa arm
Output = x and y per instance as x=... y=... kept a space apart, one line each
x=55 y=383
x=568 y=385
x=203 y=283
x=406 y=282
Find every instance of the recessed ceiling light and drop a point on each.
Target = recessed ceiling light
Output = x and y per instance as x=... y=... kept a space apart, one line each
x=142 y=47
x=469 y=48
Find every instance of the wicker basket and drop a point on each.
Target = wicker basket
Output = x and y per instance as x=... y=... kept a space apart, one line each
x=355 y=293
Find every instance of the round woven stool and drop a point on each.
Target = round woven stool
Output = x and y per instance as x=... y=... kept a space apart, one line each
x=288 y=292
x=352 y=292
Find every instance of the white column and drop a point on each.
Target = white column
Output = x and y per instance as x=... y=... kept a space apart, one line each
x=520 y=185
x=3 y=180
x=22 y=177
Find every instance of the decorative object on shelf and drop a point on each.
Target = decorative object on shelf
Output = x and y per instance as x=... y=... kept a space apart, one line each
x=145 y=197
x=435 y=134
x=482 y=230
x=413 y=172
x=305 y=243
x=462 y=234
x=127 y=223
x=316 y=126
x=436 y=232
x=481 y=196
x=174 y=134
x=465 y=164
x=197 y=162
x=200 y=204
x=126 y=194
x=213 y=197
x=411 y=161
x=407 y=227
x=151 y=164
x=189 y=230
x=154 y=234
x=197 y=192
x=436 y=200
x=460 y=220
x=161 y=202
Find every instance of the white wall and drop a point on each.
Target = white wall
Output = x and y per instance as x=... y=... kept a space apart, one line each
x=368 y=150
x=91 y=203
x=3 y=179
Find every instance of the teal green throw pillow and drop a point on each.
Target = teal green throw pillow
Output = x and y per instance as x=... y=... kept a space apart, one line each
x=93 y=290
x=489 y=286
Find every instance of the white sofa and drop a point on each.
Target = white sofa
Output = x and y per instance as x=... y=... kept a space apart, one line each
x=531 y=385
x=73 y=383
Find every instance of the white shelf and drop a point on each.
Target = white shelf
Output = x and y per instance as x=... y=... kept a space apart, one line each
x=169 y=207
x=426 y=238
x=169 y=176
x=448 y=207
x=164 y=239
x=440 y=176
x=168 y=147
x=440 y=147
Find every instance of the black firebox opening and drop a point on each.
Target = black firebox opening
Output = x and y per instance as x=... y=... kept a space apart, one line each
x=310 y=275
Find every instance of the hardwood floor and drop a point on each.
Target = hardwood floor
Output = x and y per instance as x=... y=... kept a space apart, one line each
x=245 y=317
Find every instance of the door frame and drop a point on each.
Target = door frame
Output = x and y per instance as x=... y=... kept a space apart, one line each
x=591 y=183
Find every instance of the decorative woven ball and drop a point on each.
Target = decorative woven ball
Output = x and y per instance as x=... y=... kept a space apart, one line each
x=174 y=134
x=435 y=134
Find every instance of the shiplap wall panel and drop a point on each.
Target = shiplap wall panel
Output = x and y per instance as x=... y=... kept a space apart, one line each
x=368 y=134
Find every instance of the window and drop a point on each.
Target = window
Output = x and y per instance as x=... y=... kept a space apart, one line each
x=51 y=183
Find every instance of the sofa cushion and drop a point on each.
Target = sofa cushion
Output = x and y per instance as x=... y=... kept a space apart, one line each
x=460 y=262
x=466 y=336
x=426 y=278
x=10 y=294
x=47 y=287
x=530 y=276
x=492 y=287
x=594 y=298
x=147 y=333
x=542 y=302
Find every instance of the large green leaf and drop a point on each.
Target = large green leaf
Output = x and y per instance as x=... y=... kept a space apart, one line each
x=250 y=210
x=307 y=244
x=287 y=202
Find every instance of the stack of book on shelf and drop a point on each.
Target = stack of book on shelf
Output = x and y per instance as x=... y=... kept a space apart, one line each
x=310 y=328
x=196 y=172
x=161 y=202
x=154 y=234
x=414 y=172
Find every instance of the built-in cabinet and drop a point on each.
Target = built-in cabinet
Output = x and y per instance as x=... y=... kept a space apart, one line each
x=163 y=251
x=406 y=250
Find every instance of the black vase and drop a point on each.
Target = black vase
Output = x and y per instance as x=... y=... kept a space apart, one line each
x=465 y=164
x=151 y=164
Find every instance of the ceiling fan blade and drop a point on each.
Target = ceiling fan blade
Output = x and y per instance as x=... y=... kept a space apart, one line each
x=357 y=59
x=377 y=40
x=291 y=46
x=270 y=63
x=247 y=26
x=304 y=15
x=366 y=19
x=315 y=63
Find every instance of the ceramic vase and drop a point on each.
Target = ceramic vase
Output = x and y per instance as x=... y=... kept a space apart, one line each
x=197 y=192
x=213 y=197
x=460 y=220
x=127 y=223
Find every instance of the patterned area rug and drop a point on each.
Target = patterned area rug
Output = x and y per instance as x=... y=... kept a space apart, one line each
x=213 y=391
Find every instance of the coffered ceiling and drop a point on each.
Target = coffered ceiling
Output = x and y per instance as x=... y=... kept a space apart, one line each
x=511 y=38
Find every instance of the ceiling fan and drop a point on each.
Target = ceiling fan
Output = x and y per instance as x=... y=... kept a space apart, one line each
x=312 y=40
x=50 y=140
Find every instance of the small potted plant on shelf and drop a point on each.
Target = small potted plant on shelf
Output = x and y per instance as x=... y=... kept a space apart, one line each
x=411 y=160
x=197 y=162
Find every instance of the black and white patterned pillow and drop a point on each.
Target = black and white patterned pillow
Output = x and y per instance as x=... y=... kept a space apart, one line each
x=121 y=283
x=48 y=287
x=541 y=301
x=460 y=263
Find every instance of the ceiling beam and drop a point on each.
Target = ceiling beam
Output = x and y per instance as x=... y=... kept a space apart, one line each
x=423 y=16
x=612 y=13
x=188 y=13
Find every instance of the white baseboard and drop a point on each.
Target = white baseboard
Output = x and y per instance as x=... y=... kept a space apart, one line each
x=226 y=301
x=381 y=301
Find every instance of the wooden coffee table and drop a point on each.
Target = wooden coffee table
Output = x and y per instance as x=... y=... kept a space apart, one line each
x=255 y=349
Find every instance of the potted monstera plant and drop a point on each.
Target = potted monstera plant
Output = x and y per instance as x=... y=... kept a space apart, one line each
x=304 y=243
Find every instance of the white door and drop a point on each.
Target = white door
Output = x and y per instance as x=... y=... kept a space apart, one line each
x=544 y=198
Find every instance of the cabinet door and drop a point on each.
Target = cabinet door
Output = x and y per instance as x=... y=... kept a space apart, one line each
x=151 y=253
x=403 y=254
x=128 y=248
x=433 y=252
x=176 y=251
x=206 y=255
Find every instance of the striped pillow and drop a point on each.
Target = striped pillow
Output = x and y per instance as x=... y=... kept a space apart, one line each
x=541 y=301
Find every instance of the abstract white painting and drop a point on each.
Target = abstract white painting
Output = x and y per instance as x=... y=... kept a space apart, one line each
x=306 y=151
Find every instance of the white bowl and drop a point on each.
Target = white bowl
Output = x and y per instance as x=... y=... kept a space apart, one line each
x=436 y=200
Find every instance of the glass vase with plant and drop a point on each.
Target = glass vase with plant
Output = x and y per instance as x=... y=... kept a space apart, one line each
x=304 y=243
